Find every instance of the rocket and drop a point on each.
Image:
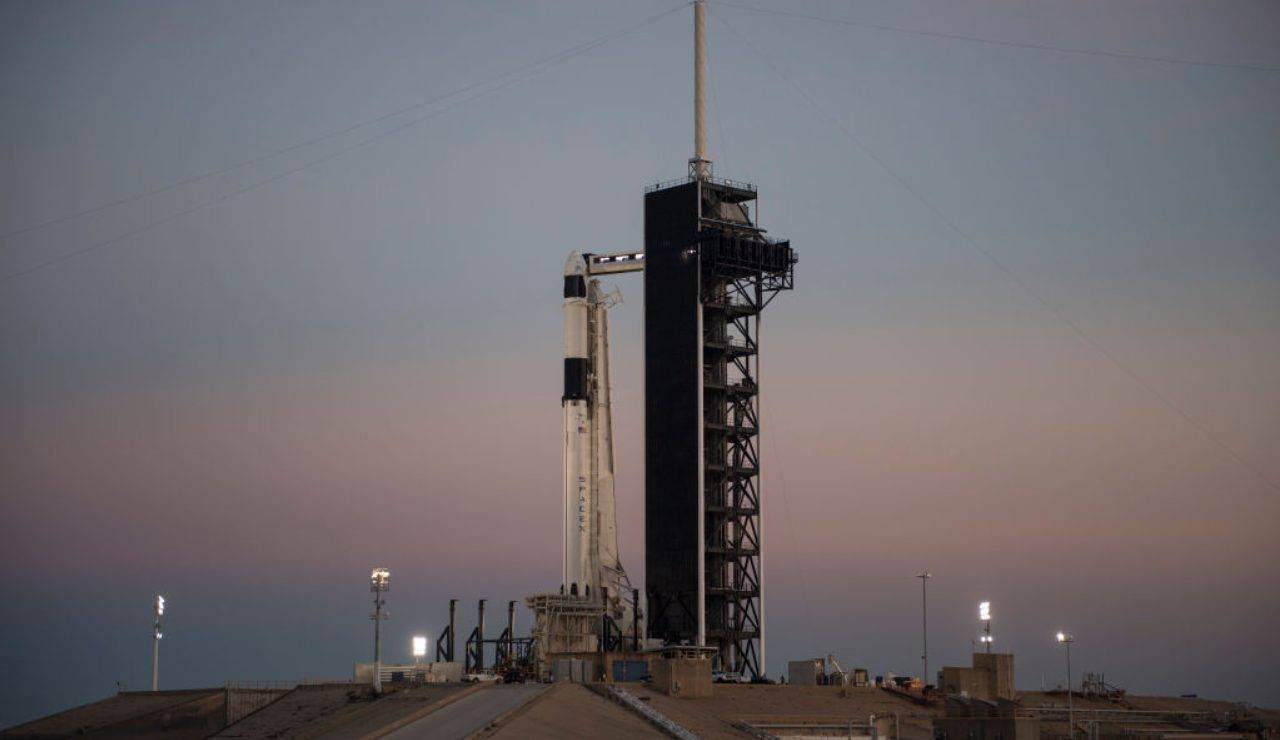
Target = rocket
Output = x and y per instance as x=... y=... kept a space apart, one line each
x=591 y=564
x=578 y=499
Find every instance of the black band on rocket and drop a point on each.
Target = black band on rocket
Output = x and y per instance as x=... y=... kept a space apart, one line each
x=575 y=286
x=575 y=378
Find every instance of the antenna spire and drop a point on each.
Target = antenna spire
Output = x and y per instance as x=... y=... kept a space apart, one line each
x=699 y=166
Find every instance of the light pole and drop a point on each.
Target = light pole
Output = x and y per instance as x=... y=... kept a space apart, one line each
x=984 y=614
x=157 y=631
x=924 y=625
x=1066 y=639
x=379 y=584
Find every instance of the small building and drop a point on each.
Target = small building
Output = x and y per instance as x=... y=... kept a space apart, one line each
x=612 y=667
x=682 y=670
x=990 y=677
x=808 y=672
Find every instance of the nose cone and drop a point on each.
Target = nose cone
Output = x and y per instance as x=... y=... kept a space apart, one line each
x=575 y=265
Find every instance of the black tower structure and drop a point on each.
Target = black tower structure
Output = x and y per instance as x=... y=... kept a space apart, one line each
x=709 y=273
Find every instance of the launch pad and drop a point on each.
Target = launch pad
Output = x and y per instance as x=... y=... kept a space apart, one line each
x=709 y=272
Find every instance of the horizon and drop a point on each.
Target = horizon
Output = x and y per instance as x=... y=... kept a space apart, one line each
x=1033 y=346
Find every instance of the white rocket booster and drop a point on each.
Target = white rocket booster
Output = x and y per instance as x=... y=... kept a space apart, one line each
x=578 y=504
x=591 y=561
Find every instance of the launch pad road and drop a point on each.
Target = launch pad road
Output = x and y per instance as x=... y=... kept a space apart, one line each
x=470 y=713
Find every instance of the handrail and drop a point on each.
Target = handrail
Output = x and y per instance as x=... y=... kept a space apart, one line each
x=738 y=184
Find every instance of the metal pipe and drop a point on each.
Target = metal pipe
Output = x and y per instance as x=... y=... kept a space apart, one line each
x=444 y=645
x=155 y=663
x=377 y=643
x=635 y=618
x=157 y=632
x=924 y=625
x=700 y=429
x=1071 y=711
x=511 y=632
x=453 y=608
x=480 y=638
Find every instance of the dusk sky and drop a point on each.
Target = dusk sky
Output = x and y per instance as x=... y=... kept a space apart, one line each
x=285 y=382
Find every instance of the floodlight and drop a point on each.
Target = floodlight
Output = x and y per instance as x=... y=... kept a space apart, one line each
x=419 y=646
x=159 y=604
x=1064 y=637
x=984 y=611
x=380 y=580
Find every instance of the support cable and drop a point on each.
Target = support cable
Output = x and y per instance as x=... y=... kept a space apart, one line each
x=1017 y=280
x=999 y=42
x=791 y=530
x=494 y=84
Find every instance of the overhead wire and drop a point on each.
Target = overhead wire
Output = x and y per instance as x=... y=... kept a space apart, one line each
x=141 y=195
x=1009 y=273
x=263 y=157
x=998 y=42
x=549 y=59
x=801 y=570
x=503 y=81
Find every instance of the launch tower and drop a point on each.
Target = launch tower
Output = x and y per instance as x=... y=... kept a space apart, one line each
x=709 y=274
x=710 y=271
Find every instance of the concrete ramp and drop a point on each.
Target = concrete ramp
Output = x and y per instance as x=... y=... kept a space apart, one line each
x=469 y=714
x=570 y=710
x=338 y=711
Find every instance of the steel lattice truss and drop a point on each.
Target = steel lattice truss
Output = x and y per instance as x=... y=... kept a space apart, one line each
x=739 y=280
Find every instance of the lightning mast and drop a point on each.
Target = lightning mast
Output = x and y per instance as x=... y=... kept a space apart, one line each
x=699 y=166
